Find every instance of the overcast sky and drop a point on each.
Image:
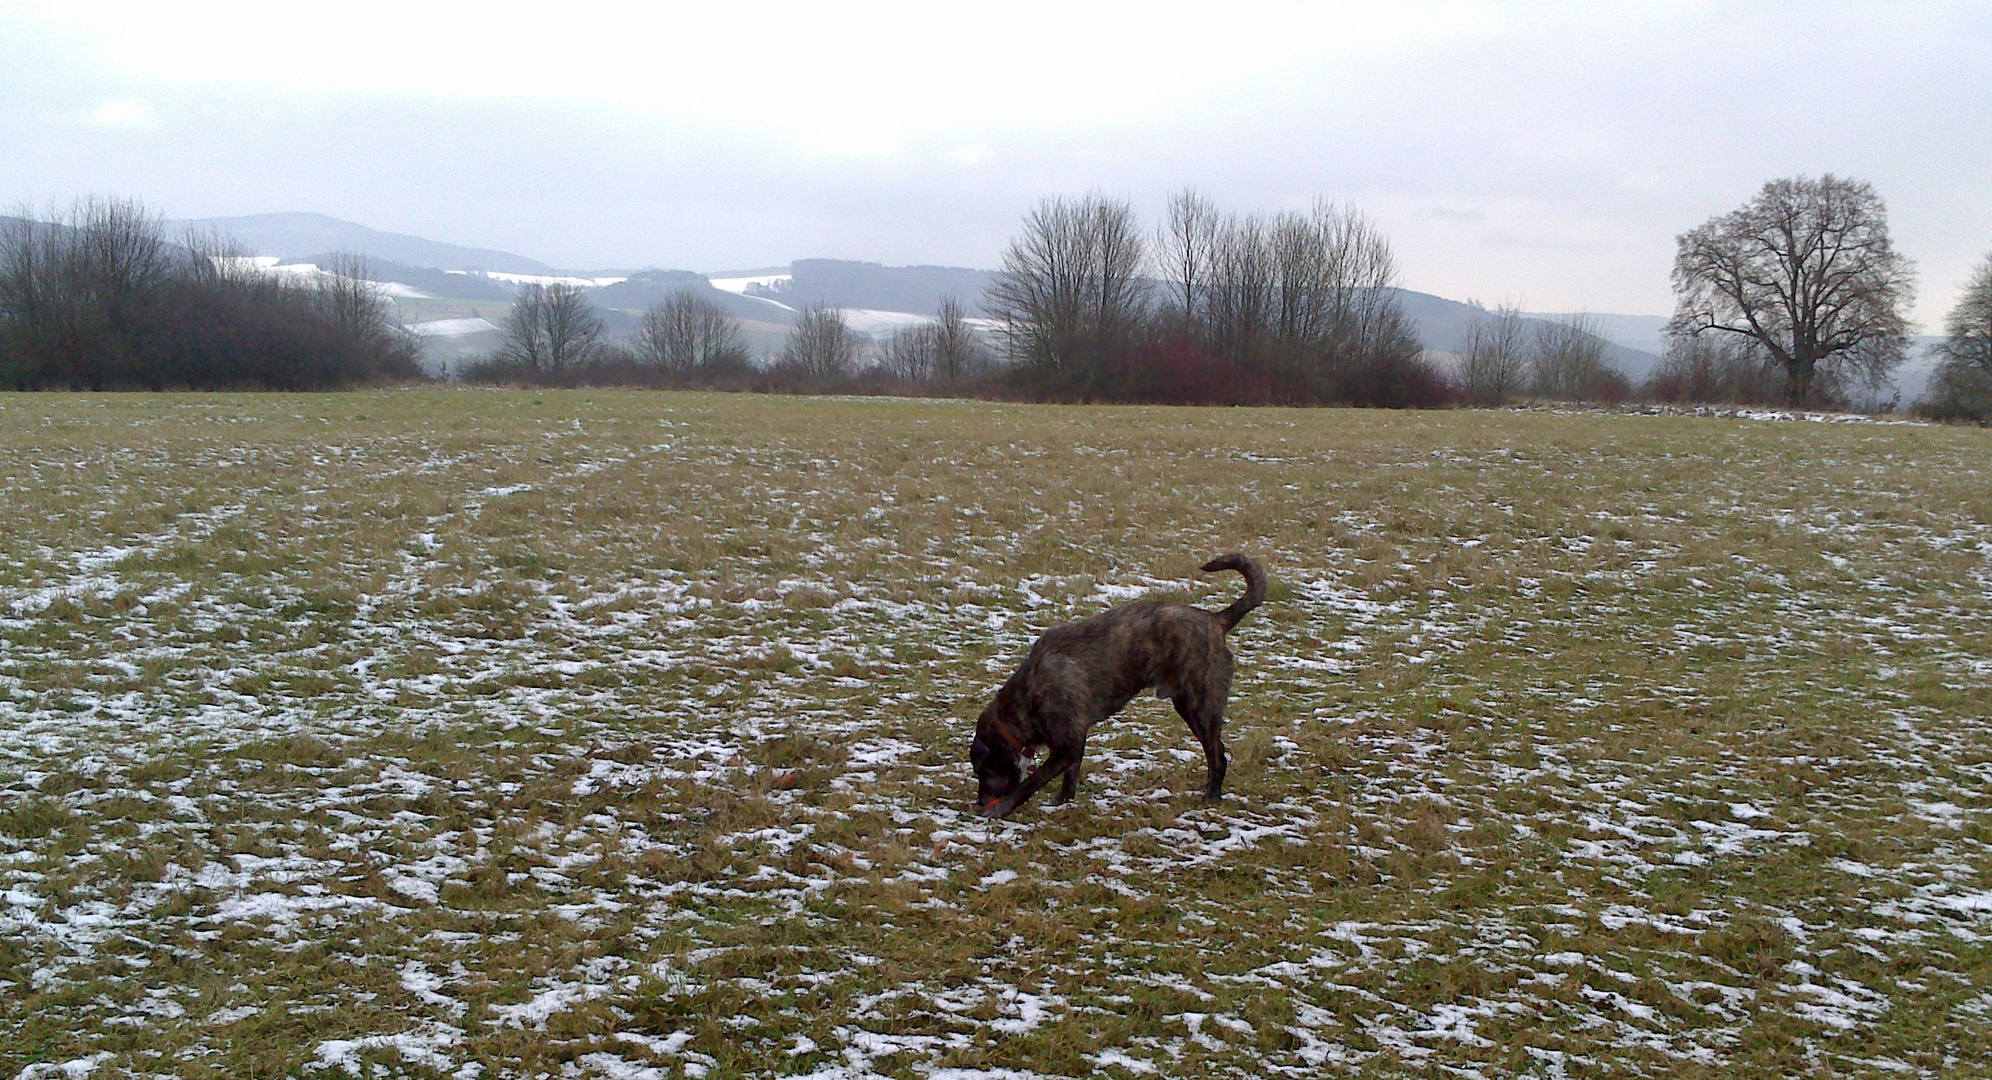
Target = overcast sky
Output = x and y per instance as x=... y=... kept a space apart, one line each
x=1541 y=153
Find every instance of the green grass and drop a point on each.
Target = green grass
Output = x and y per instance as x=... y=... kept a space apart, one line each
x=593 y=733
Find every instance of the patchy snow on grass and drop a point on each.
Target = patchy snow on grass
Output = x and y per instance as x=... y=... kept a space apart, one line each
x=486 y=734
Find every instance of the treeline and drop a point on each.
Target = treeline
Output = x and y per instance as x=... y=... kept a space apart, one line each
x=1291 y=308
x=553 y=337
x=1507 y=356
x=1294 y=308
x=1796 y=298
x=101 y=300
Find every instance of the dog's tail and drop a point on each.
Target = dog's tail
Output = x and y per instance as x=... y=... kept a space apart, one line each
x=1255 y=585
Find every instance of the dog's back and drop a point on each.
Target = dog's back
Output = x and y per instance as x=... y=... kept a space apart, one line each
x=1093 y=667
x=1108 y=659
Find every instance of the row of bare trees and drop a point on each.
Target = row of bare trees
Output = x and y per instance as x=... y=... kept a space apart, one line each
x=1798 y=296
x=1506 y=356
x=1292 y=308
x=554 y=336
x=100 y=300
x=823 y=350
x=1305 y=300
x=946 y=350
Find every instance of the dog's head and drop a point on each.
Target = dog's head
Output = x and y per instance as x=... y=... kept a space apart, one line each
x=995 y=755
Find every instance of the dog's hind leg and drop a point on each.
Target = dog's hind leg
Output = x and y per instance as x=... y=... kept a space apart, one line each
x=1206 y=720
x=1212 y=738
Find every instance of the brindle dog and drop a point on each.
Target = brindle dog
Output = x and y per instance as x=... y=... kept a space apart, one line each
x=1083 y=672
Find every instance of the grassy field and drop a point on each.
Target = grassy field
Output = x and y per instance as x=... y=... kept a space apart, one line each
x=623 y=735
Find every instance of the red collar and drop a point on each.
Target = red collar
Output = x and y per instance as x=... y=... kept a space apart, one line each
x=1002 y=733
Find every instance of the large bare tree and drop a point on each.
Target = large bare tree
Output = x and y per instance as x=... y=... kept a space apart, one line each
x=687 y=334
x=551 y=328
x=1808 y=272
x=1968 y=328
x=1070 y=298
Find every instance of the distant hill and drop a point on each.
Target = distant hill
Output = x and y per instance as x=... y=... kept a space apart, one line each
x=646 y=288
x=1646 y=333
x=914 y=289
x=303 y=236
x=435 y=282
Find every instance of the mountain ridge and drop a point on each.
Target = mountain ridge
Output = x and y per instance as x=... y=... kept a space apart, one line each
x=298 y=235
x=425 y=264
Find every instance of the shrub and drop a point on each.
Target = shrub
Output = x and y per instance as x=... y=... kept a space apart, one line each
x=102 y=302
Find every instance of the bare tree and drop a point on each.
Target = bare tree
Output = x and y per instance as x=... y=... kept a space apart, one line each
x=909 y=353
x=1961 y=387
x=687 y=334
x=1808 y=272
x=946 y=348
x=362 y=311
x=822 y=345
x=1070 y=298
x=1569 y=362
x=958 y=348
x=551 y=328
x=1495 y=363
x=1187 y=246
x=1302 y=306
x=1968 y=328
x=1241 y=290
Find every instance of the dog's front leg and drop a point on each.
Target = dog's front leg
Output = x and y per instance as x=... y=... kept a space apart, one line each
x=1069 y=787
x=1055 y=764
